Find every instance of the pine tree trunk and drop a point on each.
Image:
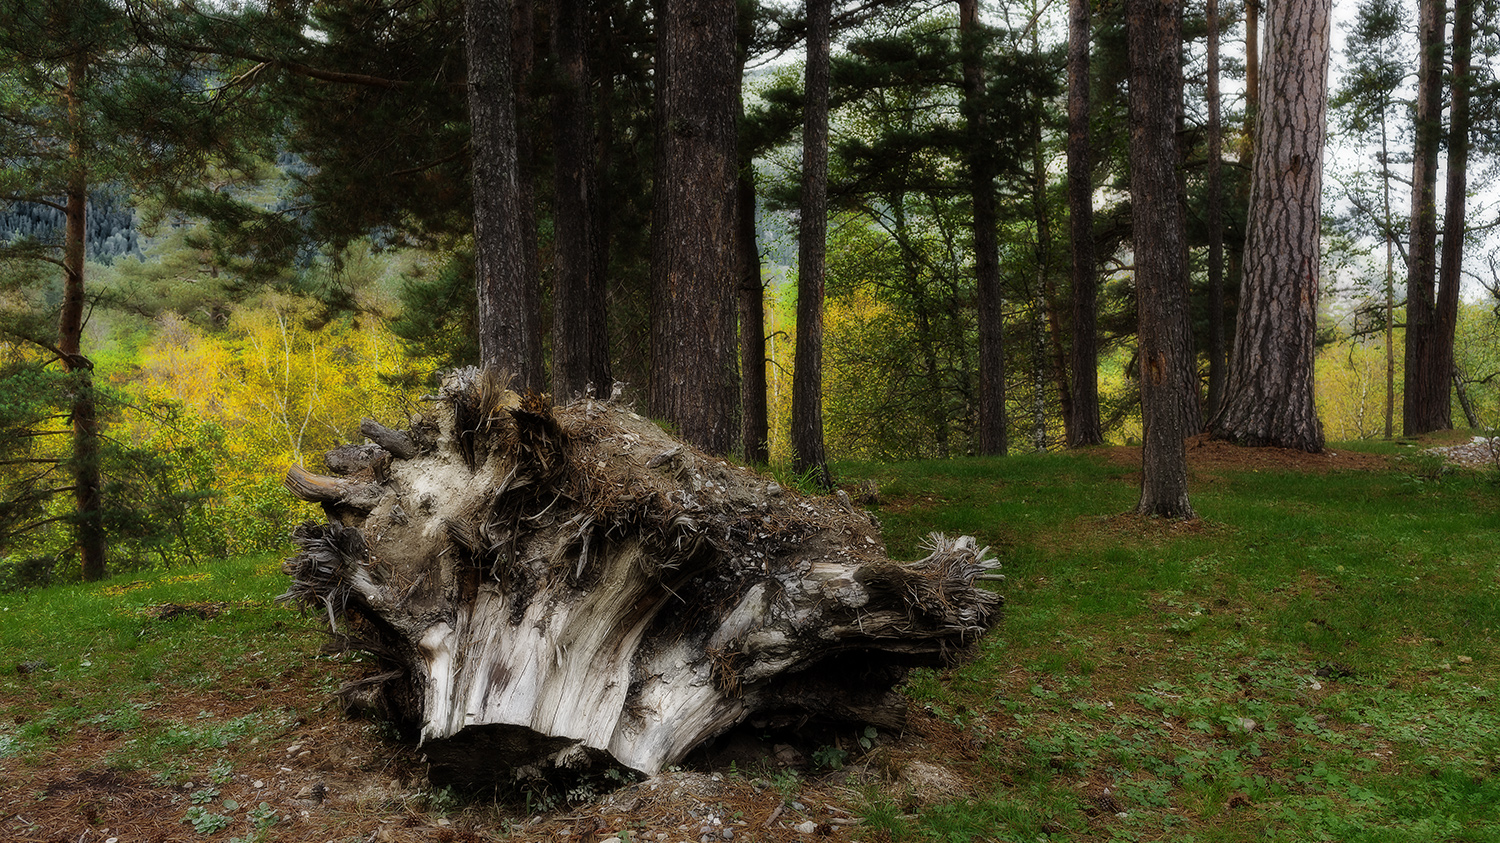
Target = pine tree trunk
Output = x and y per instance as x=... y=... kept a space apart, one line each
x=808 y=455
x=552 y=590
x=1160 y=236
x=1269 y=397
x=754 y=424
x=1450 y=273
x=523 y=64
x=87 y=483
x=504 y=261
x=1390 y=282
x=754 y=414
x=1218 y=358
x=580 y=334
x=1425 y=399
x=1086 y=428
x=694 y=371
x=1252 y=75
x=992 y=421
x=1461 y=389
x=1042 y=222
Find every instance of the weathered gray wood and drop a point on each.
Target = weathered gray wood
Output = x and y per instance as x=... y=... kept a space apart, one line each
x=401 y=445
x=558 y=588
x=318 y=488
x=363 y=460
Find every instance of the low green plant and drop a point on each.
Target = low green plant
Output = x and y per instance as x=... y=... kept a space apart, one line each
x=221 y=772
x=830 y=757
x=205 y=821
x=262 y=819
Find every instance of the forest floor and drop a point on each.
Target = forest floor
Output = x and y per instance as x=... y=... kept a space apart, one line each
x=195 y=708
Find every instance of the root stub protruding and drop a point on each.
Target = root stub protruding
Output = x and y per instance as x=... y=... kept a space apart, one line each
x=554 y=588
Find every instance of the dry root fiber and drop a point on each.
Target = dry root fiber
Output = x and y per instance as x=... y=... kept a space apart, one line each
x=556 y=588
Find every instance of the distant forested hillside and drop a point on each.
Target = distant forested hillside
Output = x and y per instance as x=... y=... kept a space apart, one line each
x=112 y=230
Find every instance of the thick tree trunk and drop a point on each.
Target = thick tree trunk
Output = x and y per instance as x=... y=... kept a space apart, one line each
x=808 y=455
x=504 y=258
x=555 y=589
x=694 y=380
x=87 y=483
x=992 y=421
x=1425 y=398
x=1269 y=398
x=1085 y=428
x=580 y=333
x=1160 y=236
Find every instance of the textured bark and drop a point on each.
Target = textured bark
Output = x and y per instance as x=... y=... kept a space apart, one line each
x=694 y=381
x=1461 y=389
x=1160 y=235
x=1252 y=74
x=1269 y=398
x=1218 y=358
x=1450 y=272
x=754 y=414
x=754 y=426
x=398 y=443
x=523 y=65
x=1085 y=428
x=553 y=589
x=1425 y=402
x=504 y=258
x=808 y=455
x=992 y=433
x=580 y=333
x=1042 y=221
x=87 y=484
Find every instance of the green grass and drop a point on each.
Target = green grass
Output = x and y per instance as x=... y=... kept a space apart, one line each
x=1315 y=660
x=96 y=657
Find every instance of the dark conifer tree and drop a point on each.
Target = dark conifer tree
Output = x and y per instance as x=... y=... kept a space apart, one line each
x=1425 y=397
x=981 y=154
x=693 y=261
x=808 y=455
x=93 y=98
x=1159 y=231
x=580 y=336
x=1085 y=428
x=504 y=257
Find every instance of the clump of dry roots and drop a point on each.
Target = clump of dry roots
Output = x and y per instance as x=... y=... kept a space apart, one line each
x=554 y=588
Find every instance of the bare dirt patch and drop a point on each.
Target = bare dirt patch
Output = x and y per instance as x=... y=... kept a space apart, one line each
x=1207 y=457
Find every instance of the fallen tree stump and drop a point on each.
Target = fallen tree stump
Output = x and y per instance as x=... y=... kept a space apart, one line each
x=559 y=588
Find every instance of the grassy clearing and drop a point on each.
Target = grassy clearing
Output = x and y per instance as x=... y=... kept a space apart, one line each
x=159 y=706
x=1316 y=659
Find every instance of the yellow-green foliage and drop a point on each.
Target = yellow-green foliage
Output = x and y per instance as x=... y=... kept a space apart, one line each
x=1477 y=354
x=1350 y=387
x=278 y=393
x=283 y=393
x=1351 y=378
